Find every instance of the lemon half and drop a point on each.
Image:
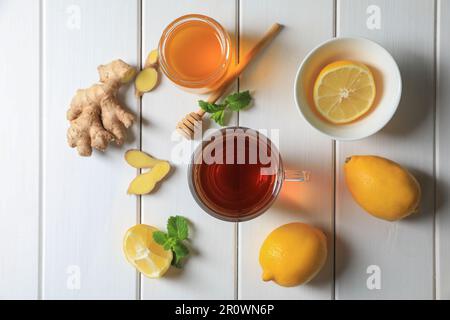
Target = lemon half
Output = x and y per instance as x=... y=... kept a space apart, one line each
x=344 y=91
x=144 y=253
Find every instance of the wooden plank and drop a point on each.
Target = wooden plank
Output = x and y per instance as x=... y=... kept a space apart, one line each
x=86 y=208
x=209 y=273
x=19 y=162
x=402 y=251
x=271 y=79
x=443 y=154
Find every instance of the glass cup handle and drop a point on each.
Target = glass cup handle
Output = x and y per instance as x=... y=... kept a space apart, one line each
x=296 y=175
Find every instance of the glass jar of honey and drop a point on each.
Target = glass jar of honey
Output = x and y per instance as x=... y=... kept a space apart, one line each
x=195 y=53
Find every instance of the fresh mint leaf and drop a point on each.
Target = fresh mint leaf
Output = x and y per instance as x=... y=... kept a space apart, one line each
x=172 y=241
x=180 y=250
x=210 y=107
x=234 y=102
x=177 y=227
x=177 y=231
x=238 y=100
x=219 y=117
x=172 y=227
x=160 y=237
x=182 y=227
x=176 y=261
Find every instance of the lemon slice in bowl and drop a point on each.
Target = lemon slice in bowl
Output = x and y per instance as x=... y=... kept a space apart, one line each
x=144 y=253
x=344 y=91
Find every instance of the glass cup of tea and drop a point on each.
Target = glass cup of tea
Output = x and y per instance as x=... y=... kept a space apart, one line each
x=236 y=174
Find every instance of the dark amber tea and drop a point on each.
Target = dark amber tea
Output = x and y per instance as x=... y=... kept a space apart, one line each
x=236 y=174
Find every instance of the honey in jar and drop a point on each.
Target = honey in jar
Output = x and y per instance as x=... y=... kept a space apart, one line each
x=195 y=53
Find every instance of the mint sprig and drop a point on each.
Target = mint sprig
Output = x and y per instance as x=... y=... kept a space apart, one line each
x=234 y=102
x=177 y=232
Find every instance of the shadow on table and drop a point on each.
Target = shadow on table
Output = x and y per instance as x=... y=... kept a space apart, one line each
x=442 y=192
x=427 y=199
x=329 y=275
x=416 y=104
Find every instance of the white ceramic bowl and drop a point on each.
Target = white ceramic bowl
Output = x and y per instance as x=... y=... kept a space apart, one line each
x=387 y=77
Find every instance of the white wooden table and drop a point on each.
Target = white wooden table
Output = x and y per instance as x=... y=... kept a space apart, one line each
x=62 y=217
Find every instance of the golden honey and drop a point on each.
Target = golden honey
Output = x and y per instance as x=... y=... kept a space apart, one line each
x=195 y=53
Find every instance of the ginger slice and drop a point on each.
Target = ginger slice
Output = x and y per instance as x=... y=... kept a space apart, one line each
x=152 y=59
x=146 y=80
x=140 y=160
x=146 y=182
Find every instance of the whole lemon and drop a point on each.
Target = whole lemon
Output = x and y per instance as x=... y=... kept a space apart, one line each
x=382 y=187
x=293 y=254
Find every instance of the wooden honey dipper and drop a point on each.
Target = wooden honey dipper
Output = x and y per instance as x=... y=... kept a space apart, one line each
x=193 y=120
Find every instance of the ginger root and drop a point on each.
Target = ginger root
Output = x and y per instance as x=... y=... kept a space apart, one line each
x=140 y=160
x=95 y=114
x=146 y=182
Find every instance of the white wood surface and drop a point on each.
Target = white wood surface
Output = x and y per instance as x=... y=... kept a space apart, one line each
x=19 y=157
x=271 y=80
x=85 y=205
x=64 y=217
x=443 y=153
x=209 y=274
x=402 y=250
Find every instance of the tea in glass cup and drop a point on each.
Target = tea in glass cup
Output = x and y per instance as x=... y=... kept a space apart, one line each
x=237 y=173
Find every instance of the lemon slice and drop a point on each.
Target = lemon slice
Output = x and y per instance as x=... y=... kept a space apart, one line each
x=144 y=253
x=344 y=91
